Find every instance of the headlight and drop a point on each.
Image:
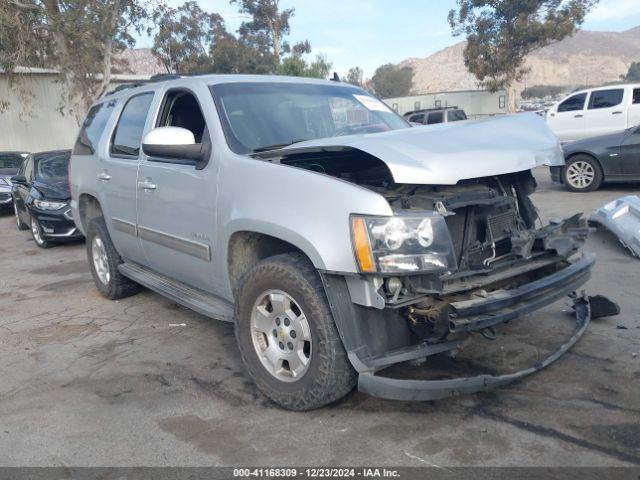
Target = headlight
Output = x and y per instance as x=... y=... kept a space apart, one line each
x=47 y=205
x=402 y=244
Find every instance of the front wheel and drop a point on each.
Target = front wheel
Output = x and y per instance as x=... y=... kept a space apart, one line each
x=287 y=337
x=20 y=223
x=38 y=236
x=582 y=174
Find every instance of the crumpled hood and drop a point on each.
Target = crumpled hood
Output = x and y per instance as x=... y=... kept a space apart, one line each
x=446 y=153
x=57 y=189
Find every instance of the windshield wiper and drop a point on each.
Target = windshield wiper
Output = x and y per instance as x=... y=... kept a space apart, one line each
x=277 y=146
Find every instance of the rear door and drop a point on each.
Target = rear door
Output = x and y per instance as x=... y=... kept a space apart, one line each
x=567 y=121
x=633 y=114
x=435 y=117
x=117 y=173
x=177 y=201
x=606 y=112
x=630 y=153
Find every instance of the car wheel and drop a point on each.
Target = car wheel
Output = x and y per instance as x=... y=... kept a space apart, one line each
x=287 y=337
x=582 y=174
x=20 y=223
x=104 y=261
x=38 y=236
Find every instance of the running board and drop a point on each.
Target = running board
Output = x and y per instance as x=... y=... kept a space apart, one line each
x=200 y=301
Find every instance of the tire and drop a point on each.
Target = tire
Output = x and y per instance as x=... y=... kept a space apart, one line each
x=104 y=268
x=36 y=233
x=20 y=223
x=582 y=173
x=328 y=375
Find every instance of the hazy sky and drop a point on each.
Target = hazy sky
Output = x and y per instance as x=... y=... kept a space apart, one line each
x=370 y=33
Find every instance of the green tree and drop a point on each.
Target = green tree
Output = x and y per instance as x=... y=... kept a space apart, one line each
x=633 y=75
x=186 y=35
x=501 y=33
x=392 y=81
x=295 y=65
x=355 y=76
x=79 y=38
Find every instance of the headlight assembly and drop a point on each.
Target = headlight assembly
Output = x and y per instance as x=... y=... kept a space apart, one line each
x=47 y=205
x=402 y=244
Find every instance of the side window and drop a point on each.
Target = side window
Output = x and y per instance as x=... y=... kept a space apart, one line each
x=92 y=128
x=502 y=101
x=574 y=102
x=605 y=98
x=435 y=117
x=417 y=118
x=438 y=104
x=181 y=109
x=636 y=96
x=128 y=133
x=28 y=169
x=416 y=106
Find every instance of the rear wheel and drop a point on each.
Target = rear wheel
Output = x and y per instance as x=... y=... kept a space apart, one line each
x=287 y=337
x=38 y=236
x=582 y=174
x=104 y=261
x=20 y=223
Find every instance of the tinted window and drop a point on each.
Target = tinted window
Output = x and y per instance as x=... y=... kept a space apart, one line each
x=606 y=98
x=128 y=134
x=11 y=160
x=52 y=167
x=435 y=117
x=574 y=102
x=636 y=95
x=92 y=128
x=456 y=115
x=28 y=168
x=181 y=109
x=417 y=118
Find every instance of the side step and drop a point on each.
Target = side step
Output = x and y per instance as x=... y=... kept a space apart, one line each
x=198 y=300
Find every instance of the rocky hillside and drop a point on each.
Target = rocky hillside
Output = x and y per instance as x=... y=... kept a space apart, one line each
x=587 y=58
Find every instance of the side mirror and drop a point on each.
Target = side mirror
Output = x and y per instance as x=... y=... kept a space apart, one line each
x=19 y=179
x=175 y=145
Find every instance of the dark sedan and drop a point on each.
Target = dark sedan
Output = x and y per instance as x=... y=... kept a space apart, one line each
x=614 y=157
x=41 y=198
x=9 y=165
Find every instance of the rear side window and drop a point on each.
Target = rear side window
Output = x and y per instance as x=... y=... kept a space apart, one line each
x=417 y=118
x=10 y=160
x=28 y=168
x=574 y=102
x=128 y=134
x=605 y=98
x=636 y=96
x=435 y=117
x=92 y=128
x=456 y=115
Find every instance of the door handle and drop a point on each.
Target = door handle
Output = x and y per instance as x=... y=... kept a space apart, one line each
x=147 y=185
x=616 y=113
x=578 y=116
x=104 y=176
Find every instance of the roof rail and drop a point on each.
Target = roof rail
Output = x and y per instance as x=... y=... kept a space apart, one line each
x=161 y=77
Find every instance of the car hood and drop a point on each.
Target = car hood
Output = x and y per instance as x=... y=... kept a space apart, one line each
x=55 y=190
x=447 y=153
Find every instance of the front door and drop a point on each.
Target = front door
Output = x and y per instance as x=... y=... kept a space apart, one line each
x=567 y=121
x=630 y=153
x=606 y=112
x=177 y=201
x=21 y=191
x=117 y=173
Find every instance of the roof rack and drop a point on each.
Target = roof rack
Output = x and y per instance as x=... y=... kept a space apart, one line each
x=160 y=77
x=420 y=110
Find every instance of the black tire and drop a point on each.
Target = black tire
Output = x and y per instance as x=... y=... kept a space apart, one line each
x=38 y=236
x=21 y=225
x=329 y=375
x=575 y=185
x=118 y=286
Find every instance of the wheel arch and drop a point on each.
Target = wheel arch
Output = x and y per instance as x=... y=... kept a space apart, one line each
x=88 y=208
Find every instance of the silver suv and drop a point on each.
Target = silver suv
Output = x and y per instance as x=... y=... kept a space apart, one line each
x=338 y=239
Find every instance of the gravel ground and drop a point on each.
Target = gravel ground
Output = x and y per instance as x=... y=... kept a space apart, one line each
x=88 y=381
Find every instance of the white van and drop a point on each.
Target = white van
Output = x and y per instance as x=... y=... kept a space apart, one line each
x=595 y=111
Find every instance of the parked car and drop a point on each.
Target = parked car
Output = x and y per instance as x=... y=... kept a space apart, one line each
x=41 y=197
x=430 y=116
x=9 y=164
x=595 y=111
x=608 y=158
x=336 y=238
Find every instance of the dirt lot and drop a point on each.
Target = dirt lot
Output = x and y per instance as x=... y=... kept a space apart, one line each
x=87 y=381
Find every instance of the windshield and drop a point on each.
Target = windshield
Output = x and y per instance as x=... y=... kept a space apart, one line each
x=11 y=160
x=260 y=116
x=52 y=167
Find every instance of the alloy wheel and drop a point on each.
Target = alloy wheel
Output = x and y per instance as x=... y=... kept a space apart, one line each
x=580 y=174
x=281 y=335
x=100 y=260
x=35 y=230
x=15 y=210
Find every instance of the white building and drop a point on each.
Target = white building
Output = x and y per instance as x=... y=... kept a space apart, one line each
x=475 y=103
x=34 y=123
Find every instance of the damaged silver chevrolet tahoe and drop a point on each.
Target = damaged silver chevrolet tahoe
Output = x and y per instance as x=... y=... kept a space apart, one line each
x=339 y=239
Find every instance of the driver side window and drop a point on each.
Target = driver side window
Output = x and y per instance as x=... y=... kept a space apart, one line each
x=181 y=109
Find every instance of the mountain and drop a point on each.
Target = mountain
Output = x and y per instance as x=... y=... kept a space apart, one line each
x=588 y=58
